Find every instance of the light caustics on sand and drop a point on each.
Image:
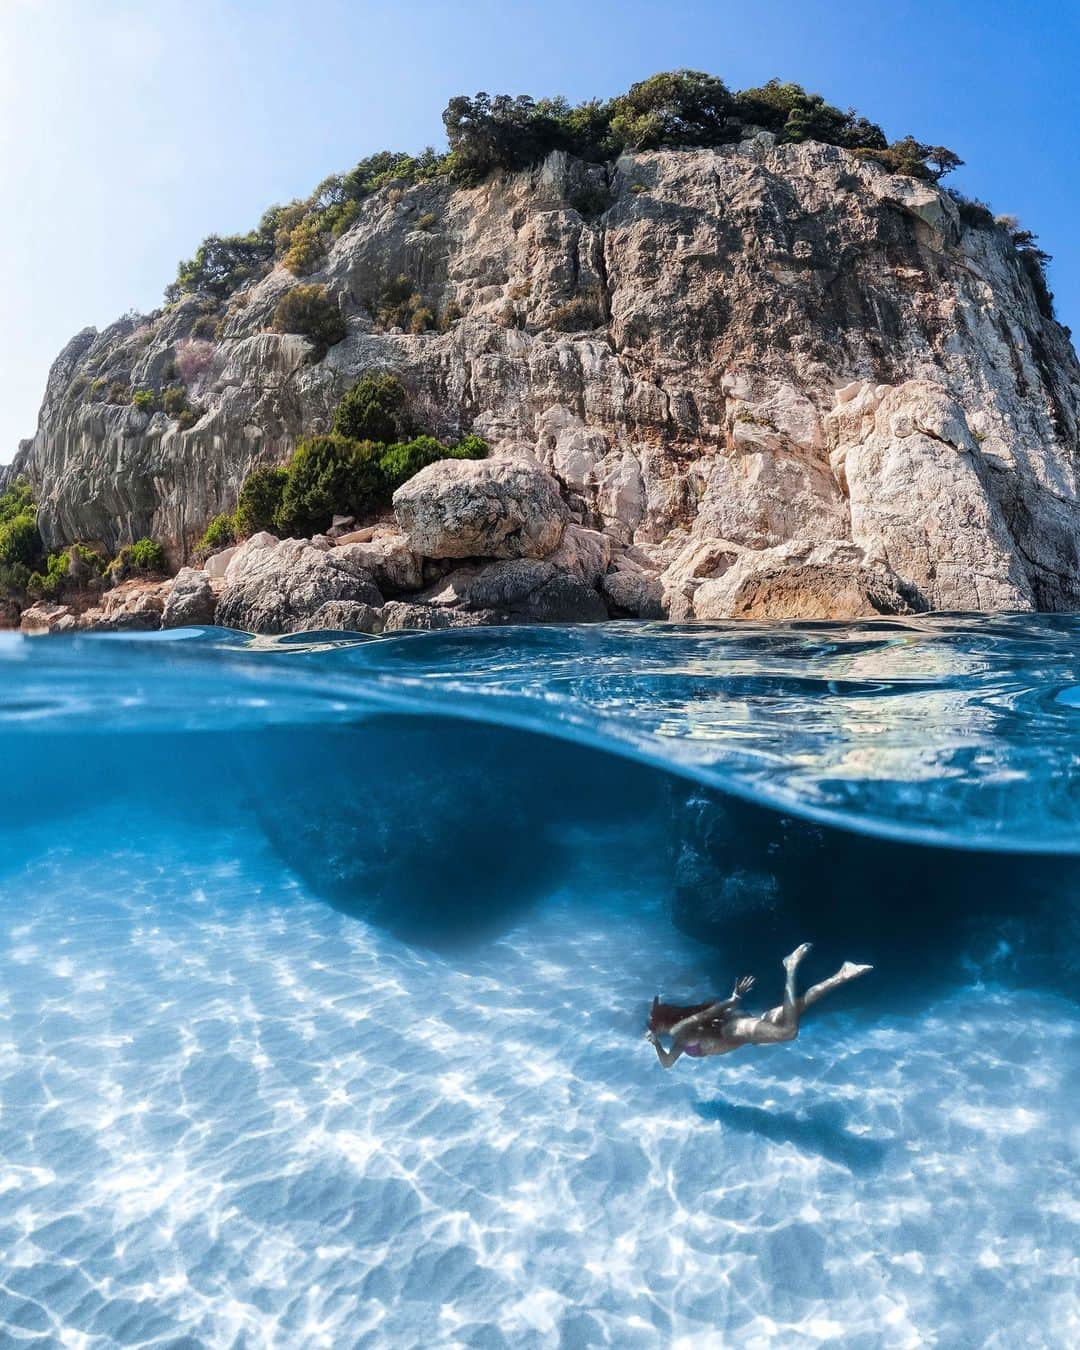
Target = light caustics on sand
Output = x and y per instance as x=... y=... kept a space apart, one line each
x=324 y=965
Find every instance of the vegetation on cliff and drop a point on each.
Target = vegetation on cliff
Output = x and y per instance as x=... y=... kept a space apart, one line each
x=682 y=108
x=373 y=447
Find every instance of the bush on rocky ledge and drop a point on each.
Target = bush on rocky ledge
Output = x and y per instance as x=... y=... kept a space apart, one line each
x=259 y=504
x=373 y=410
x=309 y=311
x=328 y=475
x=143 y=558
x=353 y=471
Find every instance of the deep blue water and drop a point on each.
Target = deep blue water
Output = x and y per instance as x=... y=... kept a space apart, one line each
x=325 y=962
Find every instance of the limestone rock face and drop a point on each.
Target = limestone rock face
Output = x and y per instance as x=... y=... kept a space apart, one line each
x=487 y=508
x=276 y=586
x=755 y=348
x=343 y=615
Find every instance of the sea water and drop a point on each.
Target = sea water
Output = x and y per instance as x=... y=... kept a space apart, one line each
x=325 y=964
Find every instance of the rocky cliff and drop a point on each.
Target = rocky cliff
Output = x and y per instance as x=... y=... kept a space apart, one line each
x=777 y=379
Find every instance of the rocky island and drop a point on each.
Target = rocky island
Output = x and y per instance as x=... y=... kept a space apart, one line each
x=688 y=354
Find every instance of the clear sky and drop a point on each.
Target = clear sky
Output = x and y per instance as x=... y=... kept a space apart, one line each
x=129 y=129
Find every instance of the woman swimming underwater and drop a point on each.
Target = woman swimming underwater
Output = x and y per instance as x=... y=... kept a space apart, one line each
x=718 y=1028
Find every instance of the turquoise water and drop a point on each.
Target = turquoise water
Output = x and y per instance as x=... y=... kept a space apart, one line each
x=325 y=961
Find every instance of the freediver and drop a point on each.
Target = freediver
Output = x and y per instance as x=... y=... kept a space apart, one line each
x=717 y=1028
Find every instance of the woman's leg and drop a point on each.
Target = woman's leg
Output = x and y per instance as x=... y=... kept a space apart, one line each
x=793 y=1008
x=848 y=971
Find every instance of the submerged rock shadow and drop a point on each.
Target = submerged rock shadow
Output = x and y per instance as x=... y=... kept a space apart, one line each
x=820 y=1129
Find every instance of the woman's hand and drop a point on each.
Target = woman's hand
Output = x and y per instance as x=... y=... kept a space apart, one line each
x=743 y=985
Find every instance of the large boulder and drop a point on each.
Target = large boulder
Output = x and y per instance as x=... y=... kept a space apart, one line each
x=276 y=586
x=524 y=590
x=191 y=601
x=632 y=592
x=351 y=616
x=489 y=508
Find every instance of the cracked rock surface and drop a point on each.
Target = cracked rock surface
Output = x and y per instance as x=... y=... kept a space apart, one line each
x=739 y=363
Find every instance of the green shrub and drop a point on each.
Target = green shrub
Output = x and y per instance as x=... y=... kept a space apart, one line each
x=373 y=410
x=16 y=500
x=450 y=316
x=143 y=558
x=19 y=538
x=220 y=533
x=174 y=400
x=259 y=505
x=309 y=311
x=146 y=400
x=678 y=107
x=469 y=447
x=306 y=248
x=221 y=264
x=427 y=220
x=580 y=313
x=50 y=584
x=398 y=305
x=400 y=462
x=589 y=202
x=147 y=555
x=328 y=476
x=71 y=570
x=204 y=329
x=14 y=579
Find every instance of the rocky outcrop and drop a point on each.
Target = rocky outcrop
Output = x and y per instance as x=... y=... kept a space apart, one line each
x=481 y=509
x=528 y=590
x=680 y=360
x=274 y=586
x=190 y=602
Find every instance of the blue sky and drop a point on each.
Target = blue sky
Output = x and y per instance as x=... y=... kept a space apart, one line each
x=129 y=129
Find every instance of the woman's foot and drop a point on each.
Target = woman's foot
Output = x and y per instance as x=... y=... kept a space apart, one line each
x=850 y=971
